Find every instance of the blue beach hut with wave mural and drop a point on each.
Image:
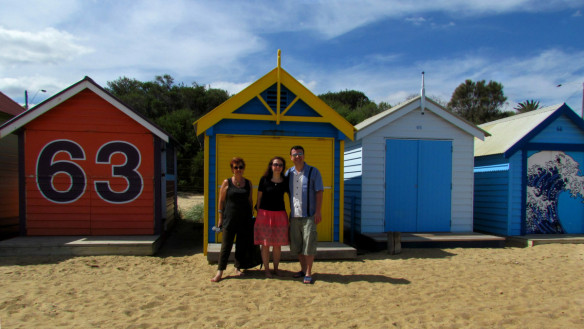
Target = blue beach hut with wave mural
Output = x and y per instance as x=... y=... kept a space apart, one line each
x=529 y=174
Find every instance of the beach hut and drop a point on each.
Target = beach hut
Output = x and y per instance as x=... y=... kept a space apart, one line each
x=8 y=171
x=528 y=174
x=90 y=165
x=264 y=120
x=410 y=169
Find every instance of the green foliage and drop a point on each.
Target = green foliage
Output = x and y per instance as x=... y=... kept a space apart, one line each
x=478 y=102
x=174 y=108
x=527 y=106
x=194 y=214
x=353 y=105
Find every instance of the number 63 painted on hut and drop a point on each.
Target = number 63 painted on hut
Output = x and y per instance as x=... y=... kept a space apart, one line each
x=62 y=180
x=88 y=183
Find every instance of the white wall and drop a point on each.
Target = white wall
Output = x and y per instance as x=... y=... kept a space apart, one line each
x=414 y=125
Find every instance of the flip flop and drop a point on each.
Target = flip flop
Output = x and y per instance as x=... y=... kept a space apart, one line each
x=298 y=274
x=308 y=280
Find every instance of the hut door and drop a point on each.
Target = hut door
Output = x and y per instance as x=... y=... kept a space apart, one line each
x=418 y=185
x=257 y=152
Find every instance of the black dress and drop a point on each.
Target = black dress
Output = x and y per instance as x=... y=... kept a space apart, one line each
x=238 y=221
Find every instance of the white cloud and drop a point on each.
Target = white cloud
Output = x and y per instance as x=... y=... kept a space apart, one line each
x=231 y=87
x=48 y=46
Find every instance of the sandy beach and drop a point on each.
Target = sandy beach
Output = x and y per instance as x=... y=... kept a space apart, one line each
x=538 y=287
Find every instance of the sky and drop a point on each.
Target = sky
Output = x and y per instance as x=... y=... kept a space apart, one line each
x=378 y=47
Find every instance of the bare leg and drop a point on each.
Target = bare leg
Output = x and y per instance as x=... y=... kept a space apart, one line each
x=276 y=253
x=308 y=259
x=302 y=259
x=217 y=276
x=266 y=260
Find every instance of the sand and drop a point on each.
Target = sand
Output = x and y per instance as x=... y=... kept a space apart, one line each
x=538 y=287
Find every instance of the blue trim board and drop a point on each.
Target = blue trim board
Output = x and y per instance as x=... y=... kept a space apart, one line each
x=270 y=128
x=212 y=187
x=523 y=192
x=562 y=110
x=491 y=168
x=554 y=147
x=337 y=194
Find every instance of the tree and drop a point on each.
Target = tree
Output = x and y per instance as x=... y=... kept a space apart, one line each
x=527 y=106
x=174 y=108
x=353 y=105
x=478 y=102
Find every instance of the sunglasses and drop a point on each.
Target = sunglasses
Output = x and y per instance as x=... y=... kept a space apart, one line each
x=297 y=155
x=277 y=165
x=238 y=167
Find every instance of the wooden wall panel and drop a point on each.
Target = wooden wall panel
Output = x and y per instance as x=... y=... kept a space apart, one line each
x=89 y=170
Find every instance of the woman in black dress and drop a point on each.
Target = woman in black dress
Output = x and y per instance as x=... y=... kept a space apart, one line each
x=234 y=217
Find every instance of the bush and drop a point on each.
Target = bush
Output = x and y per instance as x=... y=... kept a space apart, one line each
x=194 y=214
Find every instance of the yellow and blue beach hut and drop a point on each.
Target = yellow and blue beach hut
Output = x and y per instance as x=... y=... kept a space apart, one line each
x=264 y=120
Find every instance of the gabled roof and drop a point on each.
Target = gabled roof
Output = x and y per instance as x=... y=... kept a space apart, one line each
x=87 y=83
x=384 y=118
x=511 y=133
x=7 y=105
x=282 y=78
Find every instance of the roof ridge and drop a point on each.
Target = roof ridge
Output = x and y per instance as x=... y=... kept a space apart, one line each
x=523 y=115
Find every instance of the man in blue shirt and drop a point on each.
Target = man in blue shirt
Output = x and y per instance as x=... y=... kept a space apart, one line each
x=306 y=189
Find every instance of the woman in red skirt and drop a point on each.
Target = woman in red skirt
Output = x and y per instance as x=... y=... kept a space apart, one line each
x=271 y=226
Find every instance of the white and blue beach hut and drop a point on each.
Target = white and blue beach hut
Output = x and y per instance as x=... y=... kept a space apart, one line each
x=528 y=174
x=410 y=169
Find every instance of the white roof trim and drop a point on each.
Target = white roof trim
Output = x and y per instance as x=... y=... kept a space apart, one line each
x=381 y=120
x=35 y=112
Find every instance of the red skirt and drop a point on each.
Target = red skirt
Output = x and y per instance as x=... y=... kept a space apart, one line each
x=271 y=228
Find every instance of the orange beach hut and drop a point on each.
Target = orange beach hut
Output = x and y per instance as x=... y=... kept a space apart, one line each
x=90 y=165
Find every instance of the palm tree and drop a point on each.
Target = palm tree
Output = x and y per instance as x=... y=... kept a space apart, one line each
x=527 y=106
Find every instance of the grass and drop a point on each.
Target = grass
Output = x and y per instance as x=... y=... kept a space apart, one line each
x=193 y=214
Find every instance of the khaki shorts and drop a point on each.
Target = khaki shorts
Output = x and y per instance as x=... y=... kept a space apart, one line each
x=303 y=236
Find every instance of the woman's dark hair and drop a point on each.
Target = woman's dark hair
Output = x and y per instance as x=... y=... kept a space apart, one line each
x=236 y=161
x=269 y=172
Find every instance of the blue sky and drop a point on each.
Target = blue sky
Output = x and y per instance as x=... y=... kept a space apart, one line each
x=378 y=47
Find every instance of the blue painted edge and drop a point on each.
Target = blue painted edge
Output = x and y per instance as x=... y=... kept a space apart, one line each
x=492 y=168
x=523 y=192
x=212 y=187
x=562 y=110
x=554 y=147
x=337 y=195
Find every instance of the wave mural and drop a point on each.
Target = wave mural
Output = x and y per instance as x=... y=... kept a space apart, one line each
x=549 y=174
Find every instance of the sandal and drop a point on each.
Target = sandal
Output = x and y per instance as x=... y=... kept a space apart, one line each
x=308 y=280
x=298 y=274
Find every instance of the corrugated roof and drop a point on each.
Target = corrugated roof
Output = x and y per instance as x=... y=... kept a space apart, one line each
x=7 y=105
x=507 y=132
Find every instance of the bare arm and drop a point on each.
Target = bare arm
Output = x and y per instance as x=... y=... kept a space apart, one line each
x=221 y=207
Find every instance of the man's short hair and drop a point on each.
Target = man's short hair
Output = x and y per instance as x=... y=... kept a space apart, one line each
x=297 y=148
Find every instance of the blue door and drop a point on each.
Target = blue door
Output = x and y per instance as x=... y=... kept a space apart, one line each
x=418 y=185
